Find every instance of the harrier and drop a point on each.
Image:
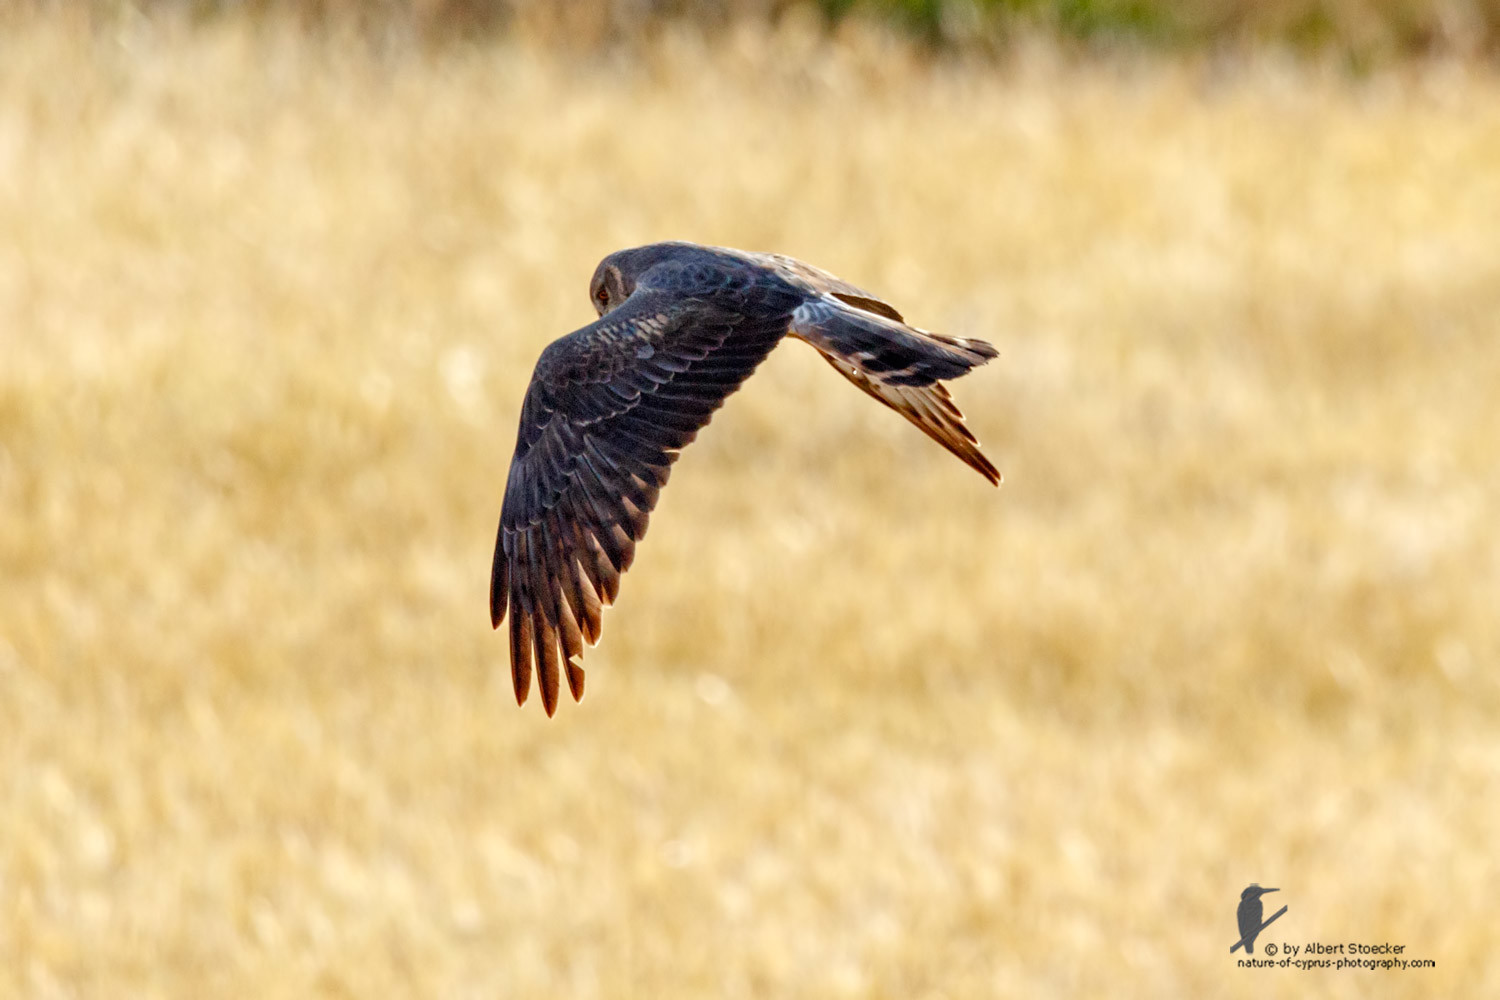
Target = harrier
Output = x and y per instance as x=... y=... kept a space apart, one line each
x=610 y=406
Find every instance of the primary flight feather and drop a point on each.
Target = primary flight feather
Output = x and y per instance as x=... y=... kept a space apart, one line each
x=610 y=406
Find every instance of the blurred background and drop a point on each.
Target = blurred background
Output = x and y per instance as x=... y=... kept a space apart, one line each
x=273 y=276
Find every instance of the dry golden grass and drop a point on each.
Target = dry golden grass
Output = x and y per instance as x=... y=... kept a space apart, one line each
x=861 y=725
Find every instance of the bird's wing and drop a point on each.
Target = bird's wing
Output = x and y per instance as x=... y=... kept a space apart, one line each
x=603 y=420
x=901 y=366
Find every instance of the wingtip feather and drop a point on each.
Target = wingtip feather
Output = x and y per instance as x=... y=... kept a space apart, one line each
x=499 y=584
x=520 y=656
x=575 y=679
x=545 y=639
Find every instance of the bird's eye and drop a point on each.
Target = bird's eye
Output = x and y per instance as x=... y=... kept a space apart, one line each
x=603 y=296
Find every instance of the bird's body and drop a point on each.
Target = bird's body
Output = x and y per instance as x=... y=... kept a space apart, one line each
x=609 y=407
x=1249 y=914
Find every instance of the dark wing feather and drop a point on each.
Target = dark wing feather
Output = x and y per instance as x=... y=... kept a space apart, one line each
x=606 y=413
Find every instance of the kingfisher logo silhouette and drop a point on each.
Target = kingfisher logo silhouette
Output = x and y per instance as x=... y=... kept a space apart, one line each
x=1249 y=915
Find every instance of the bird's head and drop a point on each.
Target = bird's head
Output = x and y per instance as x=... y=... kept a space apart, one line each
x=616 y=276
x=609 y=287
x=1255 y=892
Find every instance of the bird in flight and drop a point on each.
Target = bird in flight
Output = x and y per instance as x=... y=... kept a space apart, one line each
x=611 y=405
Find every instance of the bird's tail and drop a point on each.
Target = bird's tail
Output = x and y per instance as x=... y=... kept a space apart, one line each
x=900 y=365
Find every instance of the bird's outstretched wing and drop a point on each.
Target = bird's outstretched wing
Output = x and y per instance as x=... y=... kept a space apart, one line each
x=867 y=342
x=607 y=410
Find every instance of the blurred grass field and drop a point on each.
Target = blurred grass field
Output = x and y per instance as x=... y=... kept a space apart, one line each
x=860 y=725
